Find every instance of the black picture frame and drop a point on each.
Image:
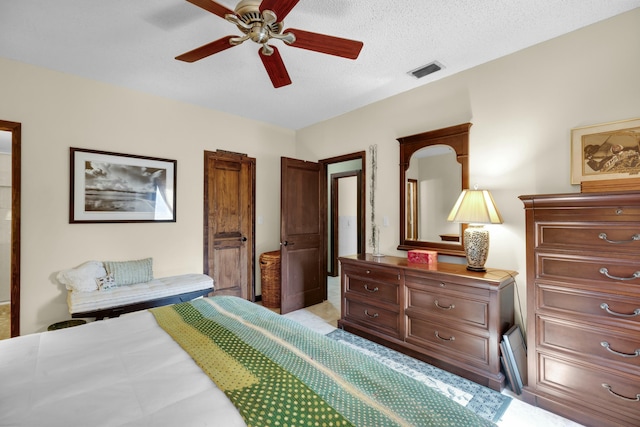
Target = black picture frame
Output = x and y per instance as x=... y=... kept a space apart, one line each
x=107 y=187
x=508 y=370
x=515 y=354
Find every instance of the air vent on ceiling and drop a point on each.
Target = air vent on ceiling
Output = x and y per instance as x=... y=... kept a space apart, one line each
x=425 y=70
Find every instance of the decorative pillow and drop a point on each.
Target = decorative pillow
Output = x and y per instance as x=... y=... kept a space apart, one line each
x=130 y=272
x=106 y=282
x=82 y=278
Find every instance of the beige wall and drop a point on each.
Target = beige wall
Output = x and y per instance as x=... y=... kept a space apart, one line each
x=58 y=111
x=522 y=107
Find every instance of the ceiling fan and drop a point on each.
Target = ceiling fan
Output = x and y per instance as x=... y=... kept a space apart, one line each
x=262 y=21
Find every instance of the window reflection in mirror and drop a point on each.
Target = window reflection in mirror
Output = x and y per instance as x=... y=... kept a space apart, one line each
x=412 y=209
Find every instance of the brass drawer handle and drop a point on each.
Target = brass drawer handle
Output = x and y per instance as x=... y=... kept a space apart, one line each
x=373 y=316
x=619 y=396
x=634 y=238
x=617 y=353
x=445 y=339
x=368 y=289
x=604 y=271
x=443 y=307
x=605 y=307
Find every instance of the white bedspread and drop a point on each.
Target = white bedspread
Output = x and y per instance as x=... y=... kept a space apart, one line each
x=124 y=371
x=80 y=302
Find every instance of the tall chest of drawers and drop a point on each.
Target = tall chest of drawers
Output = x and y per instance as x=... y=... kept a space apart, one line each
x=445 y=315
x=583 y=306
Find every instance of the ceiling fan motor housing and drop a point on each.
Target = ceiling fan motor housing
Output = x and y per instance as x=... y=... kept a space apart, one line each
x=248 y=11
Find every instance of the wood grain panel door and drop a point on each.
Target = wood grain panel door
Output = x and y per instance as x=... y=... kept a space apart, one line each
x=302 y=231
x=229 y=227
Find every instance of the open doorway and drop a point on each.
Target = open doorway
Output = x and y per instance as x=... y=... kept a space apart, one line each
x=345 y=211
x=345 y=191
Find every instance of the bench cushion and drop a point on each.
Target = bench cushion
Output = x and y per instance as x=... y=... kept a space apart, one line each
x=81 y=302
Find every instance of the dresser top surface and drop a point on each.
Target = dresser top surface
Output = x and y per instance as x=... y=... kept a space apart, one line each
x=629 y=198
x=492 y=275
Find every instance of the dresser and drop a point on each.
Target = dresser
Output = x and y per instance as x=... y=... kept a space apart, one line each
x=583 y=306
x=442 y=314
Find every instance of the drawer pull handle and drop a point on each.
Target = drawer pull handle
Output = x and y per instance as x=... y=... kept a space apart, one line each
x=619 y=396
x=634 y=238
x=368 y=289
x=445 y=339
x=604 y=271
x=617 y=353
x=443 y=307
x=605 y=307
x=373 y=316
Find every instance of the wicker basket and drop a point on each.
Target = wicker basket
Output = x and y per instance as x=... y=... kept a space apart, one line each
x=270 y=277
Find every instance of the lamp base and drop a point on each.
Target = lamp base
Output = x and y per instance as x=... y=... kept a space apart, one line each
x=476 y=247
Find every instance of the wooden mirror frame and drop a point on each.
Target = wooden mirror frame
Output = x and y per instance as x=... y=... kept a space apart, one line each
x=456 y=137
x=16 y=150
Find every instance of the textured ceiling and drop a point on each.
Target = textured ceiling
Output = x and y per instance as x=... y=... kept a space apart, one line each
x=133 y=43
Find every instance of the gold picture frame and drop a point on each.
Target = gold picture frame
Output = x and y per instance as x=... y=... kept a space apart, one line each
x=605 y=152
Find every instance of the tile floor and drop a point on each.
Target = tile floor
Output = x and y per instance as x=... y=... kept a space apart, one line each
x=323 y=318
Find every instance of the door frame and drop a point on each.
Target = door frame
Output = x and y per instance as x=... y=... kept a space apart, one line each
x=16 y=143
x=324 y=164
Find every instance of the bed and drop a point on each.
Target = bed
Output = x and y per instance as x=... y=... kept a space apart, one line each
x=219 y=361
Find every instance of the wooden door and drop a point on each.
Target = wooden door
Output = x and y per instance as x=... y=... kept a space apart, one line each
x=302 y=235
x=229 y=227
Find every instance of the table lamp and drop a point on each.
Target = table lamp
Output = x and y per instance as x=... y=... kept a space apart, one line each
x=475 y=208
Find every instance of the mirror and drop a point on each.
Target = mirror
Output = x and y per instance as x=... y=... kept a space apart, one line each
x=433 y=172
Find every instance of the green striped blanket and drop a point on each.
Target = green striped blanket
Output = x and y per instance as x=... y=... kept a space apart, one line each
x=279 y=373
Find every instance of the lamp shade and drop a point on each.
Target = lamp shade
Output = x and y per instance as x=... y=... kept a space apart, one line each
x=475 y=206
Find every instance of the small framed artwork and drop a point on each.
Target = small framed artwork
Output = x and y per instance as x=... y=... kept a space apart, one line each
x=115 y=187
x=609 y=151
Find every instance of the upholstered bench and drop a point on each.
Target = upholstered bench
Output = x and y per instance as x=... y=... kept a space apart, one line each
x=97 y=289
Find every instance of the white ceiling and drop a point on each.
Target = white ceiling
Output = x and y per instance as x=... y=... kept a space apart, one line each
x=133 y=43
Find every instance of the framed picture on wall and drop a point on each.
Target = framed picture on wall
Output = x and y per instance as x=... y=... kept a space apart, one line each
x=115 y=187
x=609 y=151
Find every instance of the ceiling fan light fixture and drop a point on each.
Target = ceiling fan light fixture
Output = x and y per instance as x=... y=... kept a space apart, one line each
x=425 y=70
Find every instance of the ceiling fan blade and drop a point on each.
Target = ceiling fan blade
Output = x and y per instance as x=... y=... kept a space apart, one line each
x=280 y=7
x=326 y=44
x=213 y=7
x=275 y=68
x=206 y=50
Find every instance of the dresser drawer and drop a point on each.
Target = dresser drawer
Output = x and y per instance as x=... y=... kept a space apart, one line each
x=606 y=271
x=373 y=290
x=592 y=386
x=381 y=319
x=379 y=274
x=427 y=301
x=436 y=286
x=589 y=341
x=593 y=237
x=458 y=344
x=599 y=306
